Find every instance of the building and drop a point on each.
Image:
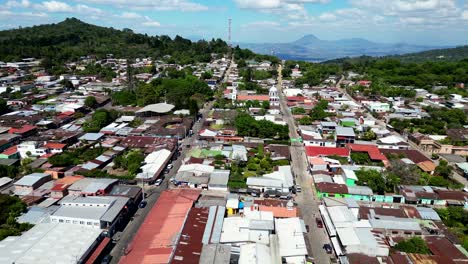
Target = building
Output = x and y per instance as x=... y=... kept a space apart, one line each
x=92 y=186
x=30 y=182
x=344 y=135
x=292 y=246
x=218 y=180
x=156 y=239
x=103 y=212
x=274 y=97
x=378 y=107
x=155 y=163
x=50 y=243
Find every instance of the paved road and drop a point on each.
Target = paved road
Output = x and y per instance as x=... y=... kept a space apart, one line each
x=153 y=192
x=307 y=200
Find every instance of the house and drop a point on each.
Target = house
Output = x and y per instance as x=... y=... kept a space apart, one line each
x=378 y=107
x=374 y=153
x=92 y=186
x=280 y=180
x=107 y=213
x=24 y=131
x=218 y=180
x=27 y=184
x=344 y=135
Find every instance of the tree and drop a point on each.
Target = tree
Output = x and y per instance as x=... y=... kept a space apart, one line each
x=413 y=245
x=409 y=174
x=443 y=169
x=373 y=179
x=3 y=106
x=90 y=102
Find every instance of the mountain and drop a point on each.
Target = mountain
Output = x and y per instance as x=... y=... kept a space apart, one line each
x=72 y=38
x=311 y=48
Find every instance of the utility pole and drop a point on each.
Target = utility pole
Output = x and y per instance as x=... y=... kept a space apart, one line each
x=130 y=74
x=229 y=33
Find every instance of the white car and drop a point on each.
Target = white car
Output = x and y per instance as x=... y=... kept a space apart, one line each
x=158 y=182
x=170 y=166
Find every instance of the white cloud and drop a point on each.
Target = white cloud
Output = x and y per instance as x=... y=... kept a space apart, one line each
x=465 y=15
x=54 y=6
x=327 y=17
x=259 y=4
x=412 y=20
x=158 y=5
x=261 y=24
x=18 y=4
x=130 y=15
x=151 y=23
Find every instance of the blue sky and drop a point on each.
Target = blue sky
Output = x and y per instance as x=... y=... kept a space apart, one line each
x=425 y=22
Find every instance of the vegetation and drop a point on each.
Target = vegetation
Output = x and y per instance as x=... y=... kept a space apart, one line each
x=362 y=158
x=75 y=157
x=438 y=122
x=9 y=171
x=100 y=119
x=318 y=112
x=413 y=245
x=103 y=73
x=371 y=178
x=12 y=207
x=90 y=102
x=456 y=219
x=313 y=73
x=71 y=39
x=246 y=125
x=185 y=93
x=129 y=161
x=257 y=165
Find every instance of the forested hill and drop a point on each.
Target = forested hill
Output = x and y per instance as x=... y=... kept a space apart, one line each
x=72 y=38
x=452 y=54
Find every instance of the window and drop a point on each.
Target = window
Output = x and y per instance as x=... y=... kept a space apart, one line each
x=89 y=223
x=81 y=222
x=75 y=222
x=60 y=220
x=67 y=221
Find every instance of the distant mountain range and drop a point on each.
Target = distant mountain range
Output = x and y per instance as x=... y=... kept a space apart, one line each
x=311 y=48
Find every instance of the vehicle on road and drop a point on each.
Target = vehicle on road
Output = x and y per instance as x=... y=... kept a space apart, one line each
x=158 y=182
x=169 y=166
x=143 y=204
x=307 y=228
x=106 y=259
x=328 y=248
x=319 y=222
x=298 y=189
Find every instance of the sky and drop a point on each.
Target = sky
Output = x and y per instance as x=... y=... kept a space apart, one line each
x=423 y=22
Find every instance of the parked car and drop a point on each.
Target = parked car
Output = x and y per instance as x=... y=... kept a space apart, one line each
x=328 y=248
x=158 y=182
x=106 y=259
x=319 y=222
x=298 y=189
x=143 y=204
x=307 y=228
x=169 y=166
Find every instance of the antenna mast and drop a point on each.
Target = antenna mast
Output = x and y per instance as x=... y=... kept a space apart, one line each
x=229 y=36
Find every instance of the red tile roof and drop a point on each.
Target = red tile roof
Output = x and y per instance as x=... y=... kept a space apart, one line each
x=373 y=151
x=21 y=130
x=190 y=245
x=296 y=98
x=53 y=145
x=253 y=97
x=59 y=187
x=10 y=151
x=452 y=195
x=328 y=187
x=156 y=238
x=441 y=246
x=313 y=151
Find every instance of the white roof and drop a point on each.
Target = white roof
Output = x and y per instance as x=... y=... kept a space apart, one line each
x=284 y=175
x=264 y=182
x=154 y=163
x=236 y=229
x=391 y=139
x=49 y=243
x=197 y=168
x=350 y=174
x=208 y=133
x=31 y=179
x=290 y=237
x=254 y=254
x=91 y=136
x=4 y=181
x=157 y=108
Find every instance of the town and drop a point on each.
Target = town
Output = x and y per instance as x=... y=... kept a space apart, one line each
x=243 y=158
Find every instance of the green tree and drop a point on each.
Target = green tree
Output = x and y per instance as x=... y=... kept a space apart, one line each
x=90 y=101
x=3 y=106
x=413 y=245
x=371 y=178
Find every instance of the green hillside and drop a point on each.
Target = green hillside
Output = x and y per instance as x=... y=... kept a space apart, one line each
x=72 y=38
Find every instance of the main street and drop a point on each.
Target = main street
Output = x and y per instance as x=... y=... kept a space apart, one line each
x=307 y=200
x=153 y=192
